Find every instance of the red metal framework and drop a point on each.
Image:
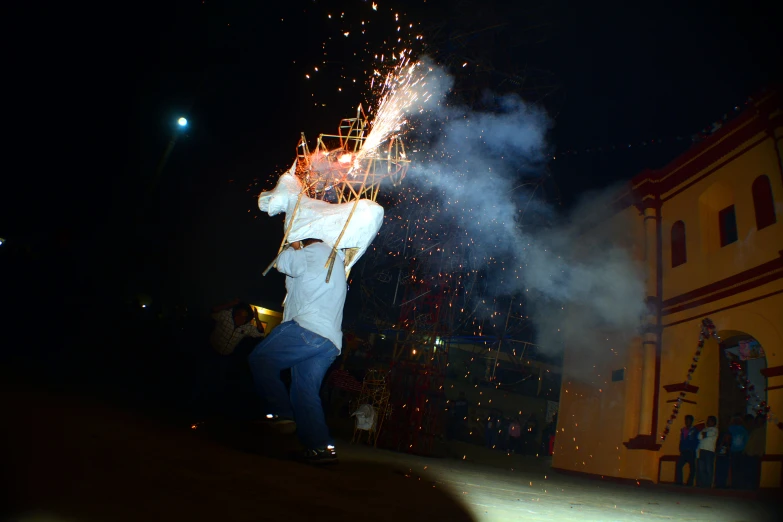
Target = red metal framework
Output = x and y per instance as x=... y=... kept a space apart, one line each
x=418 y=368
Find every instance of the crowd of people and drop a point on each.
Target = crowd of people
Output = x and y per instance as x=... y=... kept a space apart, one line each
x=727 y=459
x=512 y=434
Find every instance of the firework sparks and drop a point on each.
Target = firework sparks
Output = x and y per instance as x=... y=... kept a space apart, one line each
x=404 y=89
x=438 y=233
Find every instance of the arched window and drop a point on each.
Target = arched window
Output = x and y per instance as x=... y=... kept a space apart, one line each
x=727 y=220
x=763 y=202
x=679 y=254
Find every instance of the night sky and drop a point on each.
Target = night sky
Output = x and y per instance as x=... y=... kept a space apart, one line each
x=103 y=226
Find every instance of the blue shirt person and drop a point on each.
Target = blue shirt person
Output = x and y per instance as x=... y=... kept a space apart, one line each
x=689 y=442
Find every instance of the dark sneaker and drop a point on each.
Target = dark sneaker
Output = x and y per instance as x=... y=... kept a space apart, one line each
x=281 y=425
x=318 y=456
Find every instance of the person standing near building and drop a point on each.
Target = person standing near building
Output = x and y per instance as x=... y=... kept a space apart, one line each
x=307 y=341
x=739 y=438
x=503 y=433
x=514 y=435
x=706 y=458
x=723 y=460
x=548 y=436
x=530 y=431
x=490 y=432
x=688 y=445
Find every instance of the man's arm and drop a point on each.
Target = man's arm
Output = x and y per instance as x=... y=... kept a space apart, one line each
x=259 y=330
x=292 y=262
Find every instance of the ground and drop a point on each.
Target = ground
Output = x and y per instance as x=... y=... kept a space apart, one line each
x=67 y=458
x=530 y=491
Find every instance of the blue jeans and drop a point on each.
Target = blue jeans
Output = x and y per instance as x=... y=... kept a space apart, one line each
x=738 y=470
x=686 y=457
x=308 y=355
x=722 y=466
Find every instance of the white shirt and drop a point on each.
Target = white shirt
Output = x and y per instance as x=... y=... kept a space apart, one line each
x=710 y=438
x=312 y=302
x=227 y=335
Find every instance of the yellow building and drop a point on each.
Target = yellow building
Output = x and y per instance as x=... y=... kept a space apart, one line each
x=710 y=232
x=269 y=318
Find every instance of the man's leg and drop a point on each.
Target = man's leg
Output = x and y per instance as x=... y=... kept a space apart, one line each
x=306 y=379
x=709 y=468
x=736 y=470
x=691 y=456
x=283 y=348
x=678 y=469
x=699 y=471
x=721 y=471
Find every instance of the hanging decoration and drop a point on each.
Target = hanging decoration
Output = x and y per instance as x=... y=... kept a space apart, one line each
x=750 y=350
x=761 y=407
x=707 y=330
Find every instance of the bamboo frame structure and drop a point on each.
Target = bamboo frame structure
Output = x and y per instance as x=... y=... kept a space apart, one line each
x=340 y=170
x=375 y=392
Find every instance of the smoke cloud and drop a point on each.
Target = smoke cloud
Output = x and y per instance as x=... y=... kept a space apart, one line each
x=576 y=273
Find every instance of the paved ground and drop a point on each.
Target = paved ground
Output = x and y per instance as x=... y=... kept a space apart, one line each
x=67 y=458
x=532 y=492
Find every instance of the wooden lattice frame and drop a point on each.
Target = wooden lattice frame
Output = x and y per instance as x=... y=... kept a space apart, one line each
x=375 y=392
x=338 y=163
x=347 y=169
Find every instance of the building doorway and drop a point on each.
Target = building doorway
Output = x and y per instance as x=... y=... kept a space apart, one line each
x=733 y=399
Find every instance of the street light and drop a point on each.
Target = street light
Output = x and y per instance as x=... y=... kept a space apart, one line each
x=182 y=123
x=2 y=241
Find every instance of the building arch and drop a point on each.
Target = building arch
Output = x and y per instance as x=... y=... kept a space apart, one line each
x=735 y=324
x=763 y=202
x=763 y=329
x=733 y=399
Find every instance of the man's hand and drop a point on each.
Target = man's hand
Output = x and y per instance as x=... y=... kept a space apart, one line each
x=296 y=245
x=259 y=324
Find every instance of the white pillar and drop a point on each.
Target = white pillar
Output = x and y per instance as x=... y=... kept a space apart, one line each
x=650 y=337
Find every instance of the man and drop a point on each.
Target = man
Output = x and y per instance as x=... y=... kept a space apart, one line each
x=307 y=341
x=688 y=444
x=723 y=460
x=490 y=432
x=514 y=434
x=232 y=325
x=530 y=432
x=503 y=422
x=706 y=458
x=548 y=436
